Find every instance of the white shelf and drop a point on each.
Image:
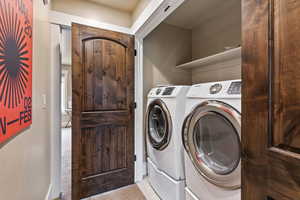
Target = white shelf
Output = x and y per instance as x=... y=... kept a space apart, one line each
x=217 y=58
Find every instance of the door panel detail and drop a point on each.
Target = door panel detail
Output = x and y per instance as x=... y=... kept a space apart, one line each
x=108 y=151
x=271 y=99
x=285 y=75
x=105 y=75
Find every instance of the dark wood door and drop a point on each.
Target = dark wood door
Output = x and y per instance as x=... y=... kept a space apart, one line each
x=103 y=117
x=271 y=100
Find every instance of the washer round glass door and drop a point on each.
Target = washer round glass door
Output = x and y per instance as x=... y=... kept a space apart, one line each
x=212 y=139
x=158 y=124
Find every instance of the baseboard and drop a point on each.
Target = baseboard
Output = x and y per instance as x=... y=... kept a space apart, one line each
x=140 y=171
x=48 y=195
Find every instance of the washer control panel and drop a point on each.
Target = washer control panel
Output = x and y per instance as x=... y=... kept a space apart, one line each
x=235 y=88
x=162 y=91
x=158 y=91
x=168 y=91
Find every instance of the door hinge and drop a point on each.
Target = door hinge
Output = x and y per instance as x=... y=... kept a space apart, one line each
x=134 y=105
x=167 y=8
x=134 y=158
x=135 y=52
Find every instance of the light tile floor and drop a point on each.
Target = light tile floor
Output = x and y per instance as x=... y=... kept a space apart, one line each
x=147 y=190
x=139 y=191
x=131 y=192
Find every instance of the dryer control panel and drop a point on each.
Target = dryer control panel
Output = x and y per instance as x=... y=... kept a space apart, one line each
x=235 y=88
x=221 y=90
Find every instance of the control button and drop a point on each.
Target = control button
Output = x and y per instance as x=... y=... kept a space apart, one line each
x=216 y=88
x=158 y=91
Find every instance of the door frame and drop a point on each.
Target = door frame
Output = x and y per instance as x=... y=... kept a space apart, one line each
x=152 y=16
x=55 y=112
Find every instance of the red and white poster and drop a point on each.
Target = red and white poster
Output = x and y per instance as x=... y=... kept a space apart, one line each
x=15 y=67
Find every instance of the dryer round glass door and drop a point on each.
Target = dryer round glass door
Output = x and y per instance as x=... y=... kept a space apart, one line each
x=217 y=143
x=212 y=140
x=158 y=125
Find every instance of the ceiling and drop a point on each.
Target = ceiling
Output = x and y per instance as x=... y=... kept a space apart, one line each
x=193 y=12
x=124 y=5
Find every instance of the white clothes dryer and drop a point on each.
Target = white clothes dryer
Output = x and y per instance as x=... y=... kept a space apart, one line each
x=211 y=135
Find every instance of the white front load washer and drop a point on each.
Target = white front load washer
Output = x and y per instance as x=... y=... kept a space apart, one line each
x=164 y=118
x=211 y=135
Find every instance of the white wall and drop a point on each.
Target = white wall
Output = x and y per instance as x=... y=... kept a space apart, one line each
x=164 y=48
x=221 y=29
x=93 y=11
x=228 y=70
x=139 y=9
x=25 y=160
